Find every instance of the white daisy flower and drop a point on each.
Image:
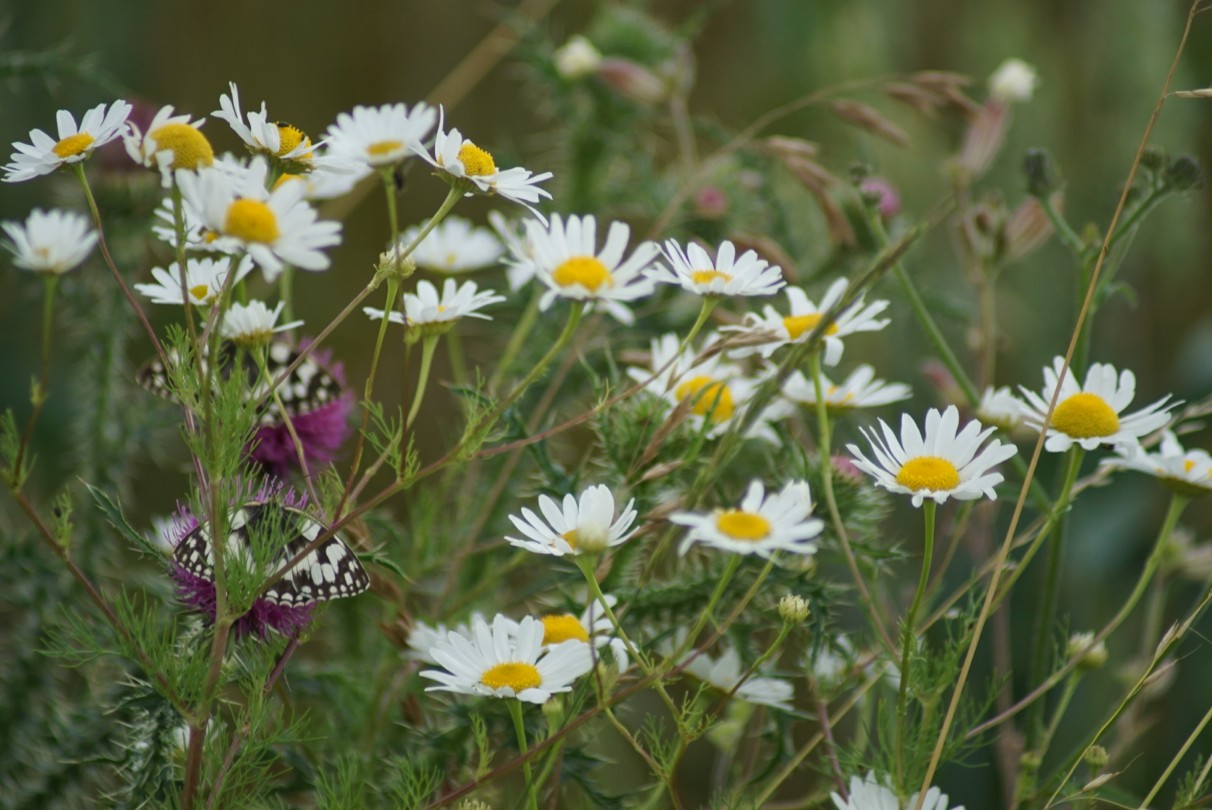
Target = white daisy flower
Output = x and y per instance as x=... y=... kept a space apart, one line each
x=427 y=307
x=724 y=673
x=501 y=662
x=859 y=390
x=260 y=135
x=50 y=241
x=1188 y=472
x=1000 y=408
x=587 y=525
x=172 y=142
x=1013 y=81
x=276 y=227
x=568 y=262
x=45 y=154
x=328 y=178
x=591 y=627
x=520 y=268
x=424 y=637
x=805 y=315
x=1090 y=414
x=253 y=324
x=463 y=160
x=379 y=136
x=761 y=525
x=869 y=793
x=197 y=235
x=204 y=280
x=454 y=246
x=727 y=275
x=717 y=389
x=943 y=463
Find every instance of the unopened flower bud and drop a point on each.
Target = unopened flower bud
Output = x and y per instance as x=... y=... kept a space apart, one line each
x=553 y=711
x=710 y=202
x=392 y=263
x=1014 y=80
x=1092 y=657
x=880 y=193
x=1096 y=757
x=1041 y=176
x=1184 y=174
x=1154 y=158
x=794 y=609
x=474 y=804
x=632 y=81
x=577 y=58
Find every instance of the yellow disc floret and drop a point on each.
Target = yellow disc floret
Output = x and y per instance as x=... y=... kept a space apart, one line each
x=583 y=270
x=741 y=525
x=200 y=292
x=382 y=148
x=570 y=537
x=797 y=325
x=558 y=628
x=516 y=676
x=708 y=276
x=251 y=221
x=72 y=145
x=711 y=397
x=189 y=146
x=476 y=162
x=289 y=138
x=928 y=472
x=1085 y=416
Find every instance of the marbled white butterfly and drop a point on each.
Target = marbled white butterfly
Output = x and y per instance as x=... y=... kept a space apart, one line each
x=330 y=571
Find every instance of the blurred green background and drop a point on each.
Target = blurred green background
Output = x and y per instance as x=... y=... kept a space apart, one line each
x=1101 y=64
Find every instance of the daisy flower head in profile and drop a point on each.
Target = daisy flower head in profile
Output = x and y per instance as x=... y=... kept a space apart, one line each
x=568 y=261
x=871 y=793
x=424 y=636
x=454 y=246
x=45 y=154
x=1187 y=472
x=584 y=525
x=515 y=236
x=204 y=280
x=940 y=463
x=50 y=242
x=507 y=660
x=773 y=330
x=197 y=236
x=1000 y=408
x=593 y=626
x=276 y=227
x=473 y=167
x=274 y=140
x=859 y=390
x=172 y=142
x=762 y=524
x=429 y=313
x=1092 y=414
x=724 y=673
x=253 y=324
x=379 y=137
x=728 y=275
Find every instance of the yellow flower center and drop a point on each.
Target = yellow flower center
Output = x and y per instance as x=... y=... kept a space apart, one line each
x=72 y=145
x=1085 y=416
x=381 y=148
x=797 y=325
x=584 y=270
x=290 y=137
x=286 y=178
x=251 y=221
x=928 y=472
x=200 y=291
x=476 y=161
x=563 y=627
x=189 y=146
x=452 y=258
x=740 y=525
x=1188 y=465
x=711 y=397
x=517 y=676
x=708 y=276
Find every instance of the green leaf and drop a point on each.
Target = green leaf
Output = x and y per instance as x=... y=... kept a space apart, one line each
x=114 y=517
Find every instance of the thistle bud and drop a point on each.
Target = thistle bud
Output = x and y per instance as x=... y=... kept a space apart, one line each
x=632 y=81
x=1096 y=757
x=1041 y=176
x=1184 y=174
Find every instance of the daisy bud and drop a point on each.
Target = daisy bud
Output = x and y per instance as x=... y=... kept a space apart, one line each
x=794 y=609
x=553 y=711
x=1092 y=657
x=1041 y=174
x=1096 y=757
x=1014 y=80
x=577 y=58
x=392 y=263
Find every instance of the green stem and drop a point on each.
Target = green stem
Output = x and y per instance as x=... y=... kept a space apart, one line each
x=520 y=332
x=929 y=508
x=733 y=564
x=532 y=790
x=1182 y=752
x=42 y=389
x=1064 y=231
x=574 y=318
x=286 y=293
x=709 y=303
x=458 y=359
x=427 y=350
x=452 y=197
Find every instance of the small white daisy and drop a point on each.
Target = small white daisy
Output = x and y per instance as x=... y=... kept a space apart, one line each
x=454 y=246
x=424 y=637
x=427 y=307
x=276 y=227
x=1090 y=414
x=45 y=154
x=50 y=242
x=717 y=389
x=1188 y=472
x=463 y=160
x=379 y=136
x=999 y=407
x=520 y=267
x=943 y=463
x=760 y=525
x=805 y=315
x=204 y=280
x=260 y=135
x=584 y=525
x=592 y=627
x=869 y=793
x=724 y=673
x=171 y=142
x=500 y=661
x=727 y=275
x=569 y=263
x=859 y=390
x=253 y=324
x=328 y=179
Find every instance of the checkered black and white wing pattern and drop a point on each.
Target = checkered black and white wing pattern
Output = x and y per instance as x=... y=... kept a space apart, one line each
x=154 y=377
x=331 y=571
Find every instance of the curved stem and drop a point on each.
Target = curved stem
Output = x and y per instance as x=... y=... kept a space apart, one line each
x=929 y=508
x=427 y=349
x=521 y=331
x=709 y=303
x=41 y=390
